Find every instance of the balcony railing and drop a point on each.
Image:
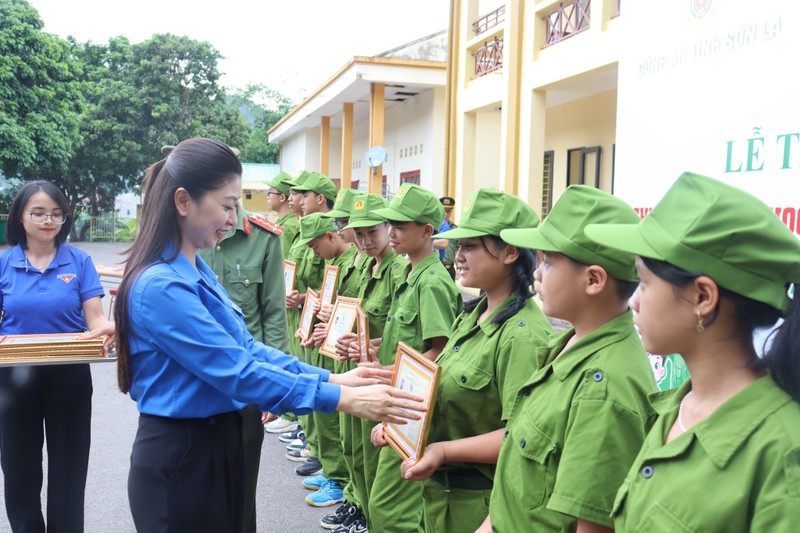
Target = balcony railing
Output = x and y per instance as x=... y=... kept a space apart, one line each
x=489 y=57
x=489 y=21
x=570 y=18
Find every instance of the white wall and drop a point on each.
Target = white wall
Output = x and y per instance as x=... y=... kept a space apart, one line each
x=301 y=152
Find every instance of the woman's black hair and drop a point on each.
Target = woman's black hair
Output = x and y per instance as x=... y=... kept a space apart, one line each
x=522 y=274
x=782 y=359
x=15 y=231
x=197 y=165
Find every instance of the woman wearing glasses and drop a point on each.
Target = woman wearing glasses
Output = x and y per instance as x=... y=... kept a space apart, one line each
x=46 y=286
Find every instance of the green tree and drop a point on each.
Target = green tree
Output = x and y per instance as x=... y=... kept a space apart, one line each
x=40 y=97
x=263 y=108
x=177 y=83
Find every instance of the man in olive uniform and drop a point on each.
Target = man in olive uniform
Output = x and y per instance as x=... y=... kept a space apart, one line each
x=248 y=261
x=447 y=247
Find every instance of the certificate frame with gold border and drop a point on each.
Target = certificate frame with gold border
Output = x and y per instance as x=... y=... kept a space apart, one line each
x=418 y=375
x=343 y=318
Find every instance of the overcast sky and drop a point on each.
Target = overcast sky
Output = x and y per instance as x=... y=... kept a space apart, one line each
x=290 y=45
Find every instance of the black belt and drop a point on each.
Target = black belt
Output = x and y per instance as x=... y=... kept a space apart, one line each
x=208 y=421
x=463 y=478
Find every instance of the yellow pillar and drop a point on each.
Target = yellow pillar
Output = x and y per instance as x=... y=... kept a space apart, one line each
x=325 y=145
x=377 y=92
x=512 y=66
x=451 y=99
x=347 y=146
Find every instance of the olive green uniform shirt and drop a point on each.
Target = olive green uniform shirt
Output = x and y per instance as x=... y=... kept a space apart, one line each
x=290 y=227
x=378 y=290
x=424 y=307
x=250 y=267
x=483 y=367
x=737 y=470
x=574 y=431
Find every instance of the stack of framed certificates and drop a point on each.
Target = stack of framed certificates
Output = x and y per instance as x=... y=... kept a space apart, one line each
x=50 y=349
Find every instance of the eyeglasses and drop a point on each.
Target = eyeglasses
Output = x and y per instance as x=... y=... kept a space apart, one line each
x=57 y=218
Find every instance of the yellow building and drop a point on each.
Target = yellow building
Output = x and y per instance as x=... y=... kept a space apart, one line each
x=532 y=88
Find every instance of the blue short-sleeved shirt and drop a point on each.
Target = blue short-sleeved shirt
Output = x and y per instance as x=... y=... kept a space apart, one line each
x=36 y=302
x=192 y=356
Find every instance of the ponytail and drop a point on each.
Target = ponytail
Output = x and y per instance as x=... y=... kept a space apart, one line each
x=782 y=360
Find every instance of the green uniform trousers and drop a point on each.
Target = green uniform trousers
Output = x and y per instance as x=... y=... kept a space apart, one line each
x=450 y=510
x=395 y=504
x=326 y=432
x=352 y=448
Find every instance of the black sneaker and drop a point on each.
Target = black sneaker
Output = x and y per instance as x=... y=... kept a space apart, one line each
x=336 y=518
x=353 y=518
x=294 y=435
x=311 y=467
x=360 y=526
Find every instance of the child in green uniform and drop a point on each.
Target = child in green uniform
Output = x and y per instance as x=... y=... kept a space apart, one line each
x=715 y=263
x=317 y=195
x=487 y=359
x=422 y=315
x=278 y=201
x=380 y=277
x=308 y=273
x=318 y=233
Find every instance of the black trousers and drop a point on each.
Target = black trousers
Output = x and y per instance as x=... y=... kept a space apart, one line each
x=56 y=401
x=253 y=439
x=187 y=475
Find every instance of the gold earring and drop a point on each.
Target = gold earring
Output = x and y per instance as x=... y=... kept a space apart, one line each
x=700 y=327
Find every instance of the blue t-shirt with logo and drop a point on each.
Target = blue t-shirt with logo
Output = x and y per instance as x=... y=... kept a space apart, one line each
x=35 y=302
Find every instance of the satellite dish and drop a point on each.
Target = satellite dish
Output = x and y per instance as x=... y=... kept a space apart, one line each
x=376 y=156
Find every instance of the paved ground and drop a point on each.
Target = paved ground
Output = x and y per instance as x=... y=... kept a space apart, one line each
x=281 y=507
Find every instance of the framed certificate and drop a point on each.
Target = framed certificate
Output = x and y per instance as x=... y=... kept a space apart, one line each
x=328 y=291
x=362 y=328
x=415 y=374
x=50 y=349
x=289 y=269
x=307 y=318
x=343 y=318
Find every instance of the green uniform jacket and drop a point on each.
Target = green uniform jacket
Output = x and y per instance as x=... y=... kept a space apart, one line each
x=737 y=470
x=424 y=307
x=249 y=263
x=483 y=367
x=290 y=228
x=452 y=248
x=377 y=290
x=574 y=431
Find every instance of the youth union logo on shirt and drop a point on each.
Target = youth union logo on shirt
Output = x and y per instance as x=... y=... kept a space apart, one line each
x=66 y=278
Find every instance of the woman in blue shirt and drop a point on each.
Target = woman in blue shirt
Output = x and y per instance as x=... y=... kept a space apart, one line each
x=186 y=358
x=46 y=286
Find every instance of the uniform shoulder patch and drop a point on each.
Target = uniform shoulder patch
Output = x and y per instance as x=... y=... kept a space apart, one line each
x=265 y=223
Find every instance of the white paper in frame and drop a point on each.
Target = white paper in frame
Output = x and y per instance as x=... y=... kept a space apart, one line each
x=343 y=318
x=289 y=269
x=328 y=291
x=307 y=318
x=416 y=374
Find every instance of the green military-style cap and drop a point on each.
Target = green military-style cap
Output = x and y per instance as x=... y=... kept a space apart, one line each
x=318 y=183
x=363 y=213
x=488 y=212
x=707 y=227
x=344 y=203
x=313 y=226
x=299 y=180
x=412 y=203
x=562 y=230
x=279 y=183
